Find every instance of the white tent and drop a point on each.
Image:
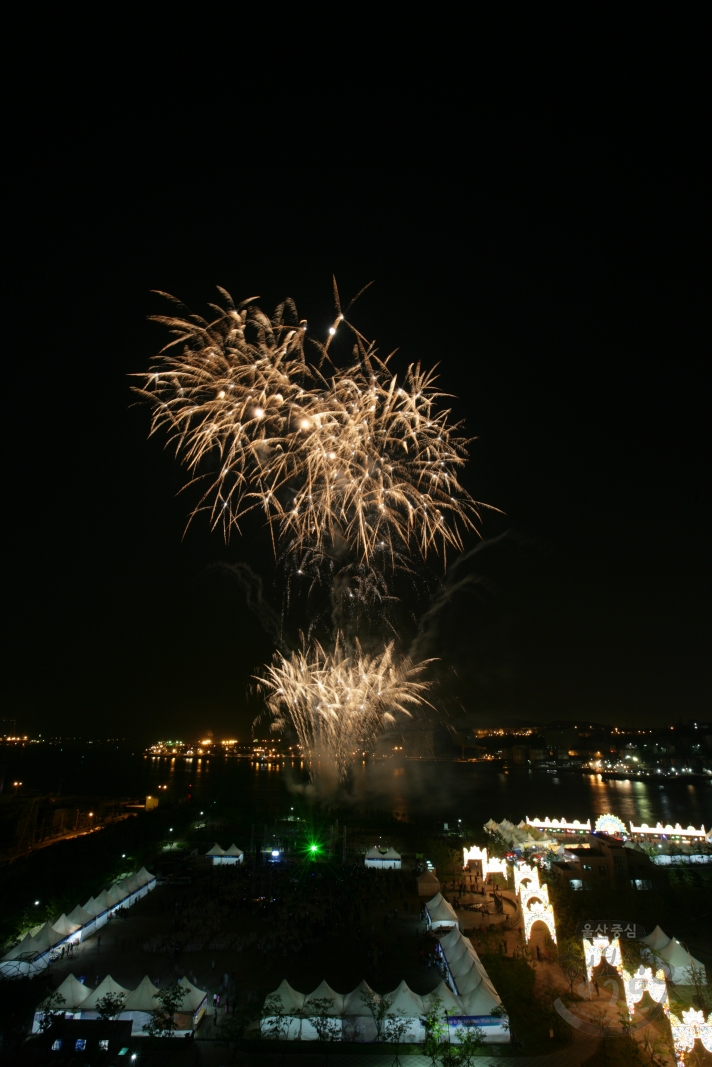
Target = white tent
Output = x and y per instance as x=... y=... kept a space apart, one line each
x=103 y=902
x=215 y=854
x=290 y=1002
x=324 y=992
x=80 y=916
x=142 y=998
x=74 y=993
x=65 y=927
x=356 y=1002
x=383 y=859
x=197 y=998
x=107 y=986
x=440 y=913
x=682 y=963
x=92 y=908
x=428 y=884
x=144 y=877
x=233 y=854
x=26 y=946
x=47 y=937
x=657 y=939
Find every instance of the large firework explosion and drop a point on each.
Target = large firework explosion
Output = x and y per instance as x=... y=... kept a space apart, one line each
x=352 y=470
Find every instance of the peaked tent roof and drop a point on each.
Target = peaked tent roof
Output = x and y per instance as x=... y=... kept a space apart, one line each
x=47 y=936
x=678 y=956
x=143 y=877
x=142 y=998
x=107 y=986
x=374 y=853
x=128 y=885
x=74 y=992
x=118 y=892
x=657 y=939
x=289 y=998
x=28 y=944
x=428 y=876
x=441 y=912
x=482 y=1001
x=448 y=1001
x=405 y=1001
x=215 y=851
x=324 y=992
x=391 y=854
x=354 y=1002
x=92 y=908
x=103 y=902
x=234 y=850
x=80 y=916
x=195 y=996
x=64 y=926
x=435 y=901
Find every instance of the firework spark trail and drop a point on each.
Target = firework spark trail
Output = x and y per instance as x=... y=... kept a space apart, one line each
x=338 y=702
x=354 y=460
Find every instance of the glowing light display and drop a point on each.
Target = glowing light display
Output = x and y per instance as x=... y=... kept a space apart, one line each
x=490 y=865
x=692 y=1027
x=610 y=824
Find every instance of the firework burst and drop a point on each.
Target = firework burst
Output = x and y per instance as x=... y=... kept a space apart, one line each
x=338 y=702
x=355 y=462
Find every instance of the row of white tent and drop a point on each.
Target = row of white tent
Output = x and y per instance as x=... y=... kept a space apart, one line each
x=681 y=962
x=36 y=949
x=353 y=1014
x=217 y=855
x=383 y=859
x=521 y=836
x=81 y=1002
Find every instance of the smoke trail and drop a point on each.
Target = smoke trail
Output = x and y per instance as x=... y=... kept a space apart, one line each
x=251 y=585
x=423 y=640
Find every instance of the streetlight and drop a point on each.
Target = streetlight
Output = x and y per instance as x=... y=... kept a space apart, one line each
x=36 y=903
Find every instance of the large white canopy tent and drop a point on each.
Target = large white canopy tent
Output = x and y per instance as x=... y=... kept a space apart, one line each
x=383 y=859
x=440 y=913
x=685 y=969
x=218 y=855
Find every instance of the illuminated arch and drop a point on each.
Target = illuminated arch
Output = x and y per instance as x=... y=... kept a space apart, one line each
x=643 y=981
x=539 y=913
x=610 y=824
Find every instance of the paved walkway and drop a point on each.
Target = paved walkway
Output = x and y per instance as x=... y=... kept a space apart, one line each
x=574 y=1055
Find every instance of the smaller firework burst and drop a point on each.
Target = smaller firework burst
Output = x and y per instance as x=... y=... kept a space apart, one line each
x=338 y=702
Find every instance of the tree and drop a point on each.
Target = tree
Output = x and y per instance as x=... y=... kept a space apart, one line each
x=378 y=1007
x=435 y=1029
x=51 y=1010
x=470 y=1038
x=110 y=1005
x=319 y=1014
x=395 y=1027
x=162 y=1022
x=274 y=1024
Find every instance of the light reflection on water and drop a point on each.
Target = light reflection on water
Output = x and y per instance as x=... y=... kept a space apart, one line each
x=472 y=793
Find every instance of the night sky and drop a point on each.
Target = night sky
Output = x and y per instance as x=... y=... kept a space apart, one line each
x=531 y=202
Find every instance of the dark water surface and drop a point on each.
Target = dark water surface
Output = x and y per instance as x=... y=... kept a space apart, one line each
x=472 y=792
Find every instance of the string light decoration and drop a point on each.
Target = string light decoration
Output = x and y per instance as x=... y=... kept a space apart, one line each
x=692 y=1028
x=490 y=865
x=533 y=900
x=602 y=948
x=644 y=981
